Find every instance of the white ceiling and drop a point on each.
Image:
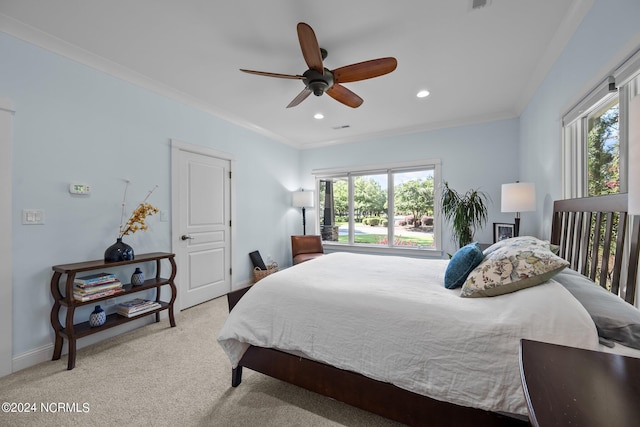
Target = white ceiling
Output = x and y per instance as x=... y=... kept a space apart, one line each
x=479 y=65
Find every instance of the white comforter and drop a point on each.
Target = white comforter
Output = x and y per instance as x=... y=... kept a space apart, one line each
x=391 y=319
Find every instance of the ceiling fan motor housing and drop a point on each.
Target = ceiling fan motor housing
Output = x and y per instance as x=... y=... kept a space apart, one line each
x=318 y=82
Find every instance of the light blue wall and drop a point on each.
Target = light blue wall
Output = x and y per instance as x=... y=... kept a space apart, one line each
x=611 y=30
x=74 y=124
x=525 y=149
x=482 y=156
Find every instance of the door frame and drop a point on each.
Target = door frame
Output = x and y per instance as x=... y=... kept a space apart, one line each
x=6 y=263
x=176 y=147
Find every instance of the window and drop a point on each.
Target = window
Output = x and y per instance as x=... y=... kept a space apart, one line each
x=380 y=208
x=603 y=150
x=594 y=143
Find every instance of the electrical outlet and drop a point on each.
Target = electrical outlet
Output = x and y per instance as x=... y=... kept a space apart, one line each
x=109 y=302
x=164 y=216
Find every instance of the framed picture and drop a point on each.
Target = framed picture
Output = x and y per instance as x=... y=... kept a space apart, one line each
x=502 y=231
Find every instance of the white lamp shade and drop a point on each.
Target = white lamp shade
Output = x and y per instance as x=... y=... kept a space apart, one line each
x=518 y=197
x=634 y=156
x=303 y=199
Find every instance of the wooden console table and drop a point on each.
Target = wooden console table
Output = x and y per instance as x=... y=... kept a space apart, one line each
x=72 y=331
x=567 y=386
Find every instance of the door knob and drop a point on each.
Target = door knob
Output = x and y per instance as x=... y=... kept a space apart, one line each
x=186 y=237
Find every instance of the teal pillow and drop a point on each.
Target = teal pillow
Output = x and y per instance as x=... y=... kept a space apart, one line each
x=463 y=261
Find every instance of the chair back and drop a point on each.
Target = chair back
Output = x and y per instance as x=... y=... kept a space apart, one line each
x=310 y=244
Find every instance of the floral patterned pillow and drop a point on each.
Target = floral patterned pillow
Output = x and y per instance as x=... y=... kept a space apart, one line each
x=515 y=264
x=521 y=241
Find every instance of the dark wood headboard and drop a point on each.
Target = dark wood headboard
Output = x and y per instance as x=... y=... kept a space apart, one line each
x=599 y=240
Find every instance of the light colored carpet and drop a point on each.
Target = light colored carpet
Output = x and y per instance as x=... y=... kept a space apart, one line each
x=163 y=376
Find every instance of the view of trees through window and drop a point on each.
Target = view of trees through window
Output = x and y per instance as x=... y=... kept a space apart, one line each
x=368 y=220
x=603 y=151
x=603 y=165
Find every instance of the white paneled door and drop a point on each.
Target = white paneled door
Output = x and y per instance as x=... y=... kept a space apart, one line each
x=201 y=211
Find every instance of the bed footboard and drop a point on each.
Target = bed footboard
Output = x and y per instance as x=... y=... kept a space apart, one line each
x=365 y=393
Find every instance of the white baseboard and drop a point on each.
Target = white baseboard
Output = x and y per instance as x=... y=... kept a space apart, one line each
x=236 y=286
x=32 y=358
x=45 y=353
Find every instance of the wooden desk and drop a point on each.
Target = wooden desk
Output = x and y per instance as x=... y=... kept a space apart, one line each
x=570 y=386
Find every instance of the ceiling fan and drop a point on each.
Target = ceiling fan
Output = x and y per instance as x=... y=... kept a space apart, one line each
x=318 y=79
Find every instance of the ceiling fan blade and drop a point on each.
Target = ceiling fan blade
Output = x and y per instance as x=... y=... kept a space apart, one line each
x=310 y=47
x=364 y=70
x=301 y=97
x=344 y=95
x=280 y=76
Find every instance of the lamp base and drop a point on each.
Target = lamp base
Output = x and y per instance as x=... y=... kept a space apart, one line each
x=304 y=222
x=516 y=227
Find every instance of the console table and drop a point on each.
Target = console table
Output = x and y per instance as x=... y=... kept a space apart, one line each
x=72 y=331
x=567 y=386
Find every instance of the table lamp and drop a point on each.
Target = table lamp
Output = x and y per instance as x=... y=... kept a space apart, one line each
x=303 y=199
x=518 y=197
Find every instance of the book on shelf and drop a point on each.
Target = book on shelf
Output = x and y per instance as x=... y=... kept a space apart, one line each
x=91 y=297
x=92 y=285
x=142 y=311
x=97 y=288
x=136 y=306
x=94 y=278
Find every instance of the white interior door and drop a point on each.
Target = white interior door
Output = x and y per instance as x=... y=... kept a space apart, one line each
x=201 y=223
x=6 y=276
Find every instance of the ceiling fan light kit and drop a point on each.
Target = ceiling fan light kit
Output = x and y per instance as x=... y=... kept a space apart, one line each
x=318 y=79
x=317 y=82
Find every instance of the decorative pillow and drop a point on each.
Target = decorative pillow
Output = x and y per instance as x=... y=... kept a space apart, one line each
x=516 y=264
x=463 y=261
x=615 y=319
x=517 y=241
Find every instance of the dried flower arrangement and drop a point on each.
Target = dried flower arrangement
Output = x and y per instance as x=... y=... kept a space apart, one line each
x=137 y=219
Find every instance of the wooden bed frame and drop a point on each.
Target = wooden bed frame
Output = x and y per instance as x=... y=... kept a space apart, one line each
x=570 y=219
x=600 y=241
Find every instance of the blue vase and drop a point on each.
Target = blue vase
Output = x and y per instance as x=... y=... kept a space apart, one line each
x=137 y=278
x=119 y=251
x=97 y=317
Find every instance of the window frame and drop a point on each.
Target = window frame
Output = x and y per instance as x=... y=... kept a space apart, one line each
x=623 y=83
x=389 y=169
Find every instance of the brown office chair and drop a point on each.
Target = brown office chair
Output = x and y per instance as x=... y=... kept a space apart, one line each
x=305 y=248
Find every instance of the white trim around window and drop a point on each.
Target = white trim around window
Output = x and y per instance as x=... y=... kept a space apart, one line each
x=623 y=83
x=390 y=169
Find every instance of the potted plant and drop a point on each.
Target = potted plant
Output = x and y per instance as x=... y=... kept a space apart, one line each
x=465 y=212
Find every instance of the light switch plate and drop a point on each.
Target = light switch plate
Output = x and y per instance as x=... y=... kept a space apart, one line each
x=32 y=216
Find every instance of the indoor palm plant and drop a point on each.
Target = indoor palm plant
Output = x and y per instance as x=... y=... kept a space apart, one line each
x=465 y=212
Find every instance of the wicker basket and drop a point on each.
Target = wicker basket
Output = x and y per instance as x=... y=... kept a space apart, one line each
x=261 y=274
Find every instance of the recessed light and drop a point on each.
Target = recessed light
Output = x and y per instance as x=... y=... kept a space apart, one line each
x=422 y=94
x=318 y=116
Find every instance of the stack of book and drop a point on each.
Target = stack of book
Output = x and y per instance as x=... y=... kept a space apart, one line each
x=136 y=306
x=94 y=286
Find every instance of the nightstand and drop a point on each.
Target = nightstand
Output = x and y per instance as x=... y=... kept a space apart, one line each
x=567 y=386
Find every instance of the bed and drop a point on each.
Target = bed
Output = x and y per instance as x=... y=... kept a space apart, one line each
x=338 y=325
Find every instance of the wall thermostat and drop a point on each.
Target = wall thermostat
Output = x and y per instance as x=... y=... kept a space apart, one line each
x=79 y=189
